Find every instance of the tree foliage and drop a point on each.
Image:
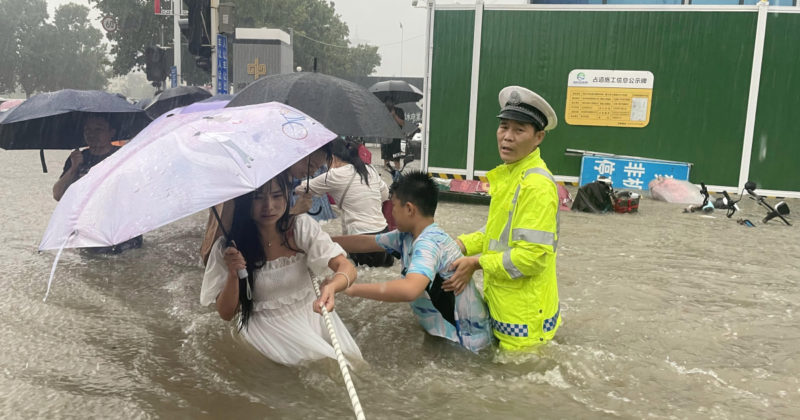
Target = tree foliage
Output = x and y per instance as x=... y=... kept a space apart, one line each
x=137 y=27
x=81 y=45
x=43 y=56
x=319 y=32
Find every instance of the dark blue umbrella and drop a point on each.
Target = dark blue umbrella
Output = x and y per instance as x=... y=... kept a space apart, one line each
x=54 y=120
x=341 y=106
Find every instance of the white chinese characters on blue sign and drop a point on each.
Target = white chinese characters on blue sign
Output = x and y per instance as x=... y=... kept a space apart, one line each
x=222 y=64
x=630 y=173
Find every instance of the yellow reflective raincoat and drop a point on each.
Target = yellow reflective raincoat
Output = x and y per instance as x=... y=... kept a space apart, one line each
x=518 y=246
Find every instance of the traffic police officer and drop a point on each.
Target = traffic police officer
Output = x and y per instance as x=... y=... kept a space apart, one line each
x=517 y=246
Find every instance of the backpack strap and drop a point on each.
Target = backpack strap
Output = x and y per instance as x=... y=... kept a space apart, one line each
x=341 y=201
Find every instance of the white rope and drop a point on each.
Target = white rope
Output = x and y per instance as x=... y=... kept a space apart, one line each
x=348 y=383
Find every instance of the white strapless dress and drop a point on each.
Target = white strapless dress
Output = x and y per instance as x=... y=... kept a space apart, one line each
x=283 y=325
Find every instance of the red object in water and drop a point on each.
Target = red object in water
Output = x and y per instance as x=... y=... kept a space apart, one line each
x=564 y=198
x=464 y=185
x=626 y=205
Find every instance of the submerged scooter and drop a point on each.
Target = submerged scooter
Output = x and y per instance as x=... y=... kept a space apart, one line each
x=706 y=207
x=781 y=209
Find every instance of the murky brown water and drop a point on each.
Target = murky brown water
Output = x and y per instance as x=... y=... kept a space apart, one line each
x=666 y=315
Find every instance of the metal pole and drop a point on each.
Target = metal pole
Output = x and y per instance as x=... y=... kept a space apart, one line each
x=176 y=33
x=473 y=90
x=426 y=82
x=752 y=99
x=213 y=41
x=401 y=49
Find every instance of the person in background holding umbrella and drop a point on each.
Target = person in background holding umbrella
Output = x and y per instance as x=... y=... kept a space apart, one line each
x=391 y=151
x=276 y=302
x=98 y=132
x=359 y=191
x=56 y=120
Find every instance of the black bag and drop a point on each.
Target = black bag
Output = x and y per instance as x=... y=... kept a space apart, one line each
x=596 y=197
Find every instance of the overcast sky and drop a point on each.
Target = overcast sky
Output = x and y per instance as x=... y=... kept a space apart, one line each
x=376 y=22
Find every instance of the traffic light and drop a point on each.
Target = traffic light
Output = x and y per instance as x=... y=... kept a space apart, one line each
x=155 y=63
x=198 y=32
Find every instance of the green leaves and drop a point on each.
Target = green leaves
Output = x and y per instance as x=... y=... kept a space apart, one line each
x=42 y=56
x=319 y=32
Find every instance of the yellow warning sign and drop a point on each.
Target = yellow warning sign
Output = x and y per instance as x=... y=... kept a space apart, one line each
x=612 y=98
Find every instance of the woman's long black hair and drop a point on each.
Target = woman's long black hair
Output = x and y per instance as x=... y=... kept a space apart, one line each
x=347 y=151
x=249 y=242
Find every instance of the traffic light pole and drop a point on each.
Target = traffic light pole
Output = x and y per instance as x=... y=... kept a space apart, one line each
x=176 y=32
x=214 y=12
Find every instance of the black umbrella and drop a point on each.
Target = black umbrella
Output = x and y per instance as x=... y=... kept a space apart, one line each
x=144 y=102
x=398 y=90
x=54 y=120
x=175 y=97
x=343 y=107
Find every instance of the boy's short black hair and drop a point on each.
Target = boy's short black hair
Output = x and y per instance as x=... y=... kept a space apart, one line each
x=417 y=188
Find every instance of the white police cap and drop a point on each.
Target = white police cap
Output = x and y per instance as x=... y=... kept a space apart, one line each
x=521 y=104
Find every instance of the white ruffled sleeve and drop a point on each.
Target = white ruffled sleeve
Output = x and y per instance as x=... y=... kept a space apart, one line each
x=317 y=244
x=215 y=276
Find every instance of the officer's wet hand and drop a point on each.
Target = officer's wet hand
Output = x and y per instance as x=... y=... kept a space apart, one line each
x=464 y=267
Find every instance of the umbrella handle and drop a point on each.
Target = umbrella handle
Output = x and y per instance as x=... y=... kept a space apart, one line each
x=41 y=157
x=242 y=274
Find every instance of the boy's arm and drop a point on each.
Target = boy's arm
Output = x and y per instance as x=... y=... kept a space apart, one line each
x=358 y=243
x=399 y=290
x=419 y=273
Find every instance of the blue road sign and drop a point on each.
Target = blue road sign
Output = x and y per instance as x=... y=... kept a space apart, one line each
x=173 y=76
x=630 y=173
x=222 y=64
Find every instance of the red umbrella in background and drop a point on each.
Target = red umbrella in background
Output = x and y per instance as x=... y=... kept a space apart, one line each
x=10 y=103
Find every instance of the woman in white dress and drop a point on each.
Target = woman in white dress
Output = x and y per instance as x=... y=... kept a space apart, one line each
x=276 y=303
x=359 y=193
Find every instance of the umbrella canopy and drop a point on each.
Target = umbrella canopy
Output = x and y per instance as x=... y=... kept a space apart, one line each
x=175 y=97
x=203 y=106
x=398 y=90
x=144 y=102
x=344 y=107
x=54 y=120
x=220 y=97
x=179 y=165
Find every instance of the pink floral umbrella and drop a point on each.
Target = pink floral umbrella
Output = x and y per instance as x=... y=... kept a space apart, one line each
x=177 y=166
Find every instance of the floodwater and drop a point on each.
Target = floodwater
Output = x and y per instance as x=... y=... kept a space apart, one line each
x=666 y=315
